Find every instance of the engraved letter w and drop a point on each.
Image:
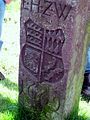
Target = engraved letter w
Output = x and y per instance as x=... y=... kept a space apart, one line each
x=65 y=9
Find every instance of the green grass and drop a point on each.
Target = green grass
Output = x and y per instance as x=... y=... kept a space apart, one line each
x=8 y=99
x=9 y=60
x=9 y=63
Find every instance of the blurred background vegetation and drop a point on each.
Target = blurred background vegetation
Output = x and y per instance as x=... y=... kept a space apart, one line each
x=14 y=5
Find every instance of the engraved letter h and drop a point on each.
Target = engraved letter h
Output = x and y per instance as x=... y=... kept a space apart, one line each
x=35 y=6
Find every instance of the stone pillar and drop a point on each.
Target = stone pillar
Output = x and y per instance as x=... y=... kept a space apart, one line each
x=51 y=59
x=88 y=9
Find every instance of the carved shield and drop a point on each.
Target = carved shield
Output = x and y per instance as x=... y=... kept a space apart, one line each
x=42 y=52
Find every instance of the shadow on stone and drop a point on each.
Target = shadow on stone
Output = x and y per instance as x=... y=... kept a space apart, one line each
x=32 y=113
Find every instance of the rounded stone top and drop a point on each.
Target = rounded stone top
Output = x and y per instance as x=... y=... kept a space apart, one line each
x=72 y=2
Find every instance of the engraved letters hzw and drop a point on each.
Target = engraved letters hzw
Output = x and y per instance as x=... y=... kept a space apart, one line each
x=47 y=8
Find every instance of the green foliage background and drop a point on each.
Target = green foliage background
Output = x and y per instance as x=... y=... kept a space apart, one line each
x=14 y=5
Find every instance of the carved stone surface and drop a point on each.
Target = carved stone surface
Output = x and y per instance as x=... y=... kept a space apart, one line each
x=88 y=10
x=50 y=36
x=47 y=8
x=42 y=52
